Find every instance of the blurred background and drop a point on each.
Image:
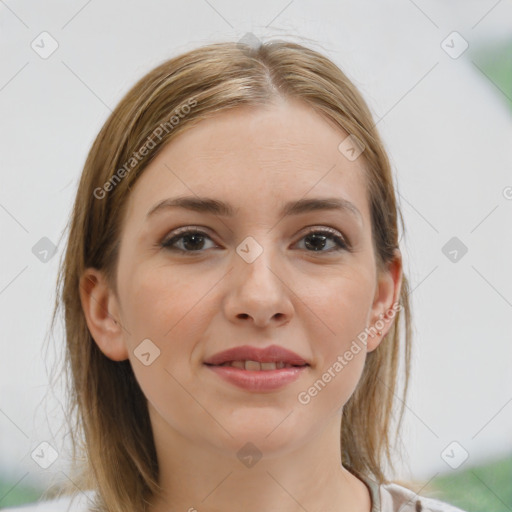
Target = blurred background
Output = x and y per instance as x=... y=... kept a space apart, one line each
x=438 y=79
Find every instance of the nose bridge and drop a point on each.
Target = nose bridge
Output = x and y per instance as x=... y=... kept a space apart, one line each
x=256 y=263
x=257 y=290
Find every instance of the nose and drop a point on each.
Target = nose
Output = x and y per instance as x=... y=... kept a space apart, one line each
x=258 y=293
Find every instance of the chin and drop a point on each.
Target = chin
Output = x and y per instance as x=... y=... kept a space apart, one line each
x=264 y=429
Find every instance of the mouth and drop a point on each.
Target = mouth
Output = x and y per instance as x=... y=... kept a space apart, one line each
x=254 y=358
x=258 y=370
x=255 y=366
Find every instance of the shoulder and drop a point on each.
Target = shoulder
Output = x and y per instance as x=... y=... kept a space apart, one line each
x=75 y=503
x=394 y=497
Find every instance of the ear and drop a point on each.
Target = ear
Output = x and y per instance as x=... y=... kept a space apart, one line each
x=101 y=310
x=386 y=299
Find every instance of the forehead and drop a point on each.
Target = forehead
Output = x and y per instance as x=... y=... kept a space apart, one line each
x=254 y=157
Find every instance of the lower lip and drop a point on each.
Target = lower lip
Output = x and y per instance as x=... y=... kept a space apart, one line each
x=262 y=380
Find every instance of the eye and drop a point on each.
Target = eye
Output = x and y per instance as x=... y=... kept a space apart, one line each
x=188 y=240
x=318 y=239
x=193 y=240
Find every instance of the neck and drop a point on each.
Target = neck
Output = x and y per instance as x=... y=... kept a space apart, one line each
x=198 y=477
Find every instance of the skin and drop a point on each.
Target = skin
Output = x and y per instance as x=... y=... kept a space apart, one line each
x=192 y=306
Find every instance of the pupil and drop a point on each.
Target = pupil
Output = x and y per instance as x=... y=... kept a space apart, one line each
x=318 y=238
x=195 y=239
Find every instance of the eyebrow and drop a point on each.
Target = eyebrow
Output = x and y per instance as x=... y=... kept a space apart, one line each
x=214 y=206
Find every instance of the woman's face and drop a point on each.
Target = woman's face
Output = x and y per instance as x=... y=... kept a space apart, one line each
x=257 y=275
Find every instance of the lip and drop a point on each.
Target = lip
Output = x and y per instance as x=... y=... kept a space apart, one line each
x=258 y=380
x=270 y=354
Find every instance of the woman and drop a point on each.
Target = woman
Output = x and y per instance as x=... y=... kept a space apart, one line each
x=233 y=289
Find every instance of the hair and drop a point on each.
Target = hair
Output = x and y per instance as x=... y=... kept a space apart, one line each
x=112 y=443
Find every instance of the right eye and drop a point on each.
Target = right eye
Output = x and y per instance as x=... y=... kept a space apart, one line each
x=187 y=240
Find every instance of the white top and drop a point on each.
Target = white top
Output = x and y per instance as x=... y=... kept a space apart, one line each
x=385 y=498
x=395 y=498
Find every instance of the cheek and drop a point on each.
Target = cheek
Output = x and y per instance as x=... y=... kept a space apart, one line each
x=342 y=305
x=165 y=312
x=165 y=308
x=161 y=303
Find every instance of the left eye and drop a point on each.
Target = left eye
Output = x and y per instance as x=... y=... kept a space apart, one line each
x=318 y=240
x=192 y=240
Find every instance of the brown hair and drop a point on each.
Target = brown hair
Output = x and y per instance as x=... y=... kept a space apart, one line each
x=107 y=411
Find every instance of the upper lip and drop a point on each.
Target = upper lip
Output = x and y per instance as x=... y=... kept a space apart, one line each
x=270 y=354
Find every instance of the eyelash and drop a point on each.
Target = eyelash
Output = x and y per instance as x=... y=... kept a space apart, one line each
x=341 y=242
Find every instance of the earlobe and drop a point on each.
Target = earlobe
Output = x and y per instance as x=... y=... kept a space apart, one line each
x=101 y=308
x=387 y=296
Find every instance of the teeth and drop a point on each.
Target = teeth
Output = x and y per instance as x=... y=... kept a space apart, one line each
x=252 y=365
x=256 y=366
